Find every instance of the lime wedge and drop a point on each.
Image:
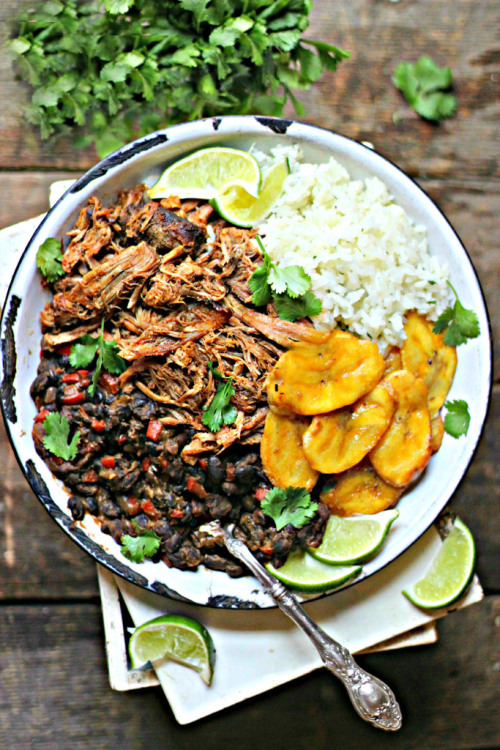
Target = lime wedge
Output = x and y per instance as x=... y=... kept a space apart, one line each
x=304 y=573
x=354 y=538
x=205 y=172
x=450 y=572
x=174 y=637
x=236 y=205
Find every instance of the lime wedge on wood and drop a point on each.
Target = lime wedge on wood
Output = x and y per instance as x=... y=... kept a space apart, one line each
x=304 y=573
x=207 y=171
x=354 y=538
x=450 y=572
x=174 y=637
x=236 y=205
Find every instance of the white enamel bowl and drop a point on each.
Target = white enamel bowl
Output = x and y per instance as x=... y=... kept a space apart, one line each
x=142 y=161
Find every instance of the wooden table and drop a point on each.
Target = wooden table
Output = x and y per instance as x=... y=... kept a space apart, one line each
x=53 y=680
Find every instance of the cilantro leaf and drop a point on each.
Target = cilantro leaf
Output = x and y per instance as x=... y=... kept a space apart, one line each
x=136 y=548
x=287 y=286
x=457 y=420
x=462 y=324
x=48 y=259
x=290 y=279
x=259 y=284
x=290 y=309
x=220 y=411
x=57 y=435
x=424 y=86
x=292 y=505
x=83 y=353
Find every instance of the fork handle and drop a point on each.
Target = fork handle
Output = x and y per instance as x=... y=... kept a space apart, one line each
x=373 y=699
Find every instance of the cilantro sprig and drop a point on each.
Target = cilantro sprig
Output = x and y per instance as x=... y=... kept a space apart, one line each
x=127 y=67
x=48 y=259
x=425 y=87
x=462 y=324
x=56 y=438
x=83 y=353
x=291 y=505
x=288 y=286
x=457 y=420
x=136 y=548
x=220 y=411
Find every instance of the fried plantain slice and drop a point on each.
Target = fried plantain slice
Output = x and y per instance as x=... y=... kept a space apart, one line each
x=393 y=361
x=315 y=379
x=405 y=448
x=339 y=440
x=437 y=432
x=282 y=454
x=359 y=490
x=425 y=354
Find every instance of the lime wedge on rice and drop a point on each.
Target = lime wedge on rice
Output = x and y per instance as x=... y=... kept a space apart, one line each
x=238 y=206
x=207 y=171
x=450 y=572
x=304 y=573
x=354 y=538
x=174 y=637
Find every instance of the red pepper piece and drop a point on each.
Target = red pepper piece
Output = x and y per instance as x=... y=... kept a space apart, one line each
x=82 y=373
x=133 y=505
x=71 y=377
x=177 y=513
x=267 y=550
x=91 y=476
x=40 y=417
x=146 y=463
x=73 y=397
x=155 y=428
x=108 y=462
x=64 y=349
x=122 y=438
x=99 y=425
x=164 y=462
x=150 y=510
x=110 y=382
x=196 y=488
x=260 y=493
x=203 y=463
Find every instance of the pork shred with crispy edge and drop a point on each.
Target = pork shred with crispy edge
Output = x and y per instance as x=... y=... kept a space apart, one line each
x=170 y=278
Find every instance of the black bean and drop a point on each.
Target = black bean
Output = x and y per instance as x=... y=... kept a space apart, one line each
x=91 y=504
x=76 y=508
x=215 y=470
x=110 y=509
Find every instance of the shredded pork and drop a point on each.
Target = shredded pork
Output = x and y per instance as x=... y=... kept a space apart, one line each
x=171 y=280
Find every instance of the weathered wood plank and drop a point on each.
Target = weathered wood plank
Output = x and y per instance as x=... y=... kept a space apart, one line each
x=37 y=559
x=358 y=100
x=28 y=194
x=40 y=561
x=54 y=693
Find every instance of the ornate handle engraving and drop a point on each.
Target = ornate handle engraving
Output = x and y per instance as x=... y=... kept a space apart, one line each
x=373 y=699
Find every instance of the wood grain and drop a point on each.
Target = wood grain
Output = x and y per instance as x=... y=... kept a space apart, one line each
x=55 y=691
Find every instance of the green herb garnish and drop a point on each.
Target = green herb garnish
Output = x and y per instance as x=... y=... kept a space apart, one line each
x=457 y=420
x=83 y=353
x=136 y=548
x=220 y=411
x=56 y=438
x=287 y=286
x=291 y=505
x=462 y=324
x=48 y=259
x=127 y=67
x=425 y=87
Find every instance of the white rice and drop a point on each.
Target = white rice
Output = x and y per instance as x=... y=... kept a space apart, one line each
x=368 y=262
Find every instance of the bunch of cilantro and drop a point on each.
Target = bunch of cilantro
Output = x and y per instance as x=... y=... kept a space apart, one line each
x=122 y=68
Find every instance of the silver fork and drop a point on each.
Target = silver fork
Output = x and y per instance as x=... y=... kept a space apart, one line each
x=373 y=699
